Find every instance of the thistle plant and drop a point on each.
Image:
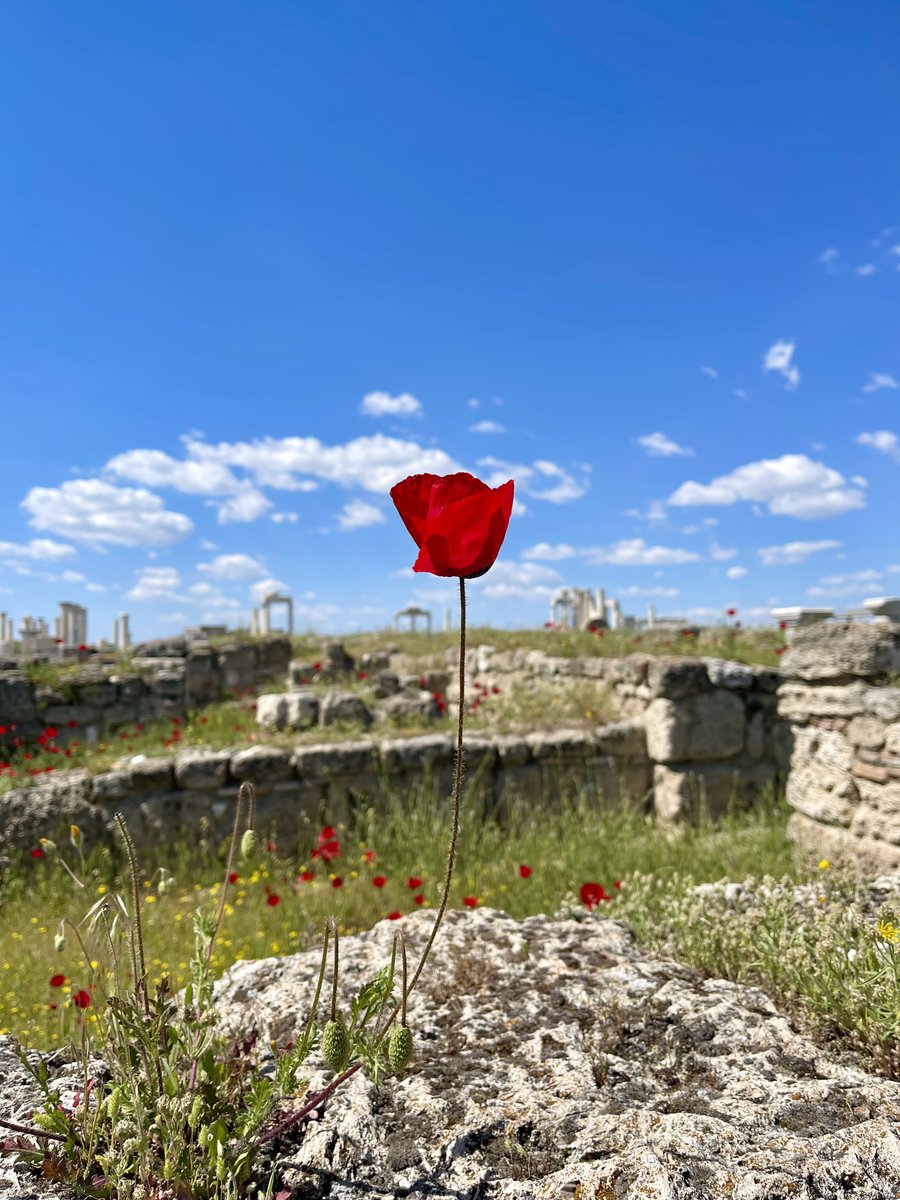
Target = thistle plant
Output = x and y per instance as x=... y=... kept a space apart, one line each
x=179 y=1111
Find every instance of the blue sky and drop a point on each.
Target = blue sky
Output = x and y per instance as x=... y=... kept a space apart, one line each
x=259 y=262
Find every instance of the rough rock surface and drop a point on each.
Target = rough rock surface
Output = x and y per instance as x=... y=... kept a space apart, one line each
x=555 y=1059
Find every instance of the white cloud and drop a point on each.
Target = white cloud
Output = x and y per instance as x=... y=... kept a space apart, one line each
x=852 y=583
x=373 y=463
x=487 y=427
x=793 y=552
x=156 y=583
x=721 y=553
x=778 y=358
x=658 y=445
x=232 y=566
x=666 y=593
x=281 y=517
x=519 y=581
x=89 y=510
x=357 y=514
x=72 y=577
x=878 y=380
x=544 y=552
x=473 y=403
x=380 y=404
x=202 y=589
x=866 y=269
x=37 y=550
x=736 y=572
x=247 y=504
x=263 y=587
x=829 y=257
x=793 y=486
x=710 y=371
x=532 y=480
x=156 y=469
x=634 y=552
x=95 y=587
x=883 y=441
x=740 y=393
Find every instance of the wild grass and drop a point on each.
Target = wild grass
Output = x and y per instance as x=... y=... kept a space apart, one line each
x=831 y=968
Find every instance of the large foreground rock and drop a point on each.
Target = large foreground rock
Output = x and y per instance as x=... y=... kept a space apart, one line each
x=552 y=1053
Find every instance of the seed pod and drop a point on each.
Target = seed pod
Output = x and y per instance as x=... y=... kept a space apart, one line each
x=400 y=1047
x=249 y=844
x=196 y=1112
x=112 y=1103
x=336 y=1045
x=47 y=846
x=59 y=941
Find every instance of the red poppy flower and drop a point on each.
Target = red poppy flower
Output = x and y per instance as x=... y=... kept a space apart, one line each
x=233 y=877
x=524 y=871
x=380 y=880
x=317 y=666
x=470 y=901
x=420 y=899
x=368 y=856
x=362 y=675
x=779 y=650
x=72 y=724
x=327 y=834
x=82 y=999
x=337 y=881
x=2 y=729
x=37 y=852
x=414 y=882
x=273 y=900
x=592 y=893
x=57 y=980
x=271 y=847
x=457 y=521
x=394 y=916
x=307 y=876
x=51 y=731
x=617 y=884
x=730 y=612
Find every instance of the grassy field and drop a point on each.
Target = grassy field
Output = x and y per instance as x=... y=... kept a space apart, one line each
x=835 y=973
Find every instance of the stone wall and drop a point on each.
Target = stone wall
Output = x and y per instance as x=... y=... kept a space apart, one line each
x=712 y=729
x=164 y=679
x=841 y=699
x=299 y=790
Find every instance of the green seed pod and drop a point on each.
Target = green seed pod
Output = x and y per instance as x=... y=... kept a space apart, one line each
x=336 y=1045
x=249 y=845
x=112 y=1103
x=196 y=1112
x=400 y=1047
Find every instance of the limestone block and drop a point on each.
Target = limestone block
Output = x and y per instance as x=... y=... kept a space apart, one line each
x=200 y=769
x=110 y=786
x=681 y=793
x=723 y=673
x=703 y=727
x=271 y=710
x=147 y=776
x=800 y=702
x=16 y=698
x=866 y=731
x=374 y=661
x=512 y=749
x=676 y=678
x=301 y=710
x=843 y=650
x=595 y=668
x=570 y=745
x=387 y=683
x=623 y=739
x=830 y=747
x=48 y=809
x=261 y=765
x=299 y=673
x=875 y=773
x=344 y=708
x=822 y=792
x=483 y=656
x=61 y=714
x=166 y=685
x=892 y=738
x=414 y=754
x=884 y=703
x=325 y=759
x=883 y=797
x=273 y=654
x=237 y=665
x=755 y=740
x=870 y=823
x=419 y=707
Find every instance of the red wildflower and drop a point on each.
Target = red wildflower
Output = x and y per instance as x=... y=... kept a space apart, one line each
x=420 y=899
x=394 y=916
x=82 y=648
x=82 y=999
x=37 y=852
x=380 y=880
x=457 y=521
x=57 y=980
x=524 y=871
x=617 y=884
x=317 y=666
x=362 y=675
x=273 y=899
x=233 y=877
x=368 y=856
x=470 y=901
x=2 y=729
x=307 y=876
x=337 y=881
x=72 y=724
x=782 y=624
x=271 y=847
x=779 y=650
x=592 y=893
x=414 y=882
x=327 y=834
x=51 y=731
x=730 y=612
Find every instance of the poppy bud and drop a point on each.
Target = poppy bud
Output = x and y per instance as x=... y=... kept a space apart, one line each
x=59 y=942
x=400 y=1047
x=336 y=1045
x=166 y=883
x=249 y=845
x=47 y=846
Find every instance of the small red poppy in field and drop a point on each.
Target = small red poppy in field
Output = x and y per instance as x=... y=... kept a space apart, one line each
x=617 y=884
x=457 y=521
x=57 y=980
x=362 y=675
x=730 y=612
x=82 y=999
x=233 y=877
x=72 y=724
x=317 y=666
x=782 y=625
x=379 y=881
x=414 y=882
x=420 y=899
x=37 y=852
x=395 y=916
x=470 y=901
x=779 y=650
x=592 y=893
x=273 y=899
x=337 y=882
x=368 y=856
x=307 y=876
x=524 y=871
x=327 y=834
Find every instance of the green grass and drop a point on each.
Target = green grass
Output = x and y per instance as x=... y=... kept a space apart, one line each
x=802 y=962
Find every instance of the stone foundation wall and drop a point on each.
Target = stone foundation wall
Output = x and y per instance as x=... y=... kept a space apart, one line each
x=167 y=679
x=841 y=700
